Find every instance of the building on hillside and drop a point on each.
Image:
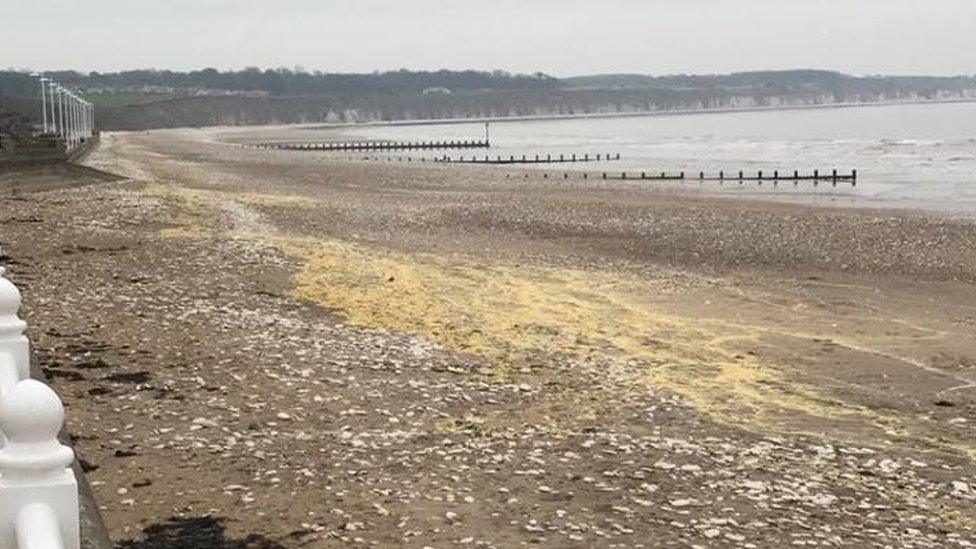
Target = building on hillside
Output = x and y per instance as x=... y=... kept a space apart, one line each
x=437 y=91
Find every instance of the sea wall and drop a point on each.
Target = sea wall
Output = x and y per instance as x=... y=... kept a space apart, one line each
x=42 y=150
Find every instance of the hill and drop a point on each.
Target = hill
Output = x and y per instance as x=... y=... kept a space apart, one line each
x=134 y=100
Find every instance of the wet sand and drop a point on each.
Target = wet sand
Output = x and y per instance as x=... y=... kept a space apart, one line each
x=314 y=350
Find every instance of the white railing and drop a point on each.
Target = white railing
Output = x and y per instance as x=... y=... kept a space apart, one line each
x=38 y=490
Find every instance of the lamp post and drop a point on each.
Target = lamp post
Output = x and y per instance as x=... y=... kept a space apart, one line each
x=63 y=114
x=72 y=103
x=55 y=108
x=43 y=81
x=72 y=123
x=35 y=75
x=82 y=117
x=50 y=93
x=68 y=121
x=64 y=125
x=66 y=99
x=74 y=119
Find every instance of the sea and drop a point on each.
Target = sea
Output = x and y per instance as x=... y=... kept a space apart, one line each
x=915 y=156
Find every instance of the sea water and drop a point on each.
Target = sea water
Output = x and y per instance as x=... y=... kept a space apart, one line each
x=907 y=156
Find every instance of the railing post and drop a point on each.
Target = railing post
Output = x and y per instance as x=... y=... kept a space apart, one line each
x=13 y=342
x=38 y=490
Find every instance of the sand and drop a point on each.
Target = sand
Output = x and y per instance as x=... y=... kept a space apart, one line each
x=297 y=349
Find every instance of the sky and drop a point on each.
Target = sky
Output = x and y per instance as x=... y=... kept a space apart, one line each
x=558 y=37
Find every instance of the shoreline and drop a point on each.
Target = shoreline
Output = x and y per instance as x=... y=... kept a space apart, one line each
x=823 y=196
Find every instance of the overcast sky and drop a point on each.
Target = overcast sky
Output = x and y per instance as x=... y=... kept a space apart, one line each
x=560 y=37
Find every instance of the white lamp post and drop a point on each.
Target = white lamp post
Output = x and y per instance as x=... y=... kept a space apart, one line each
x=69 y=121
x=74 y=115
x=55 y=111
x=64 y=126
x=74 y=119
x=35 y=75
x=67 y=115
x=50 y=93
x=69 y=127
x=43 y=101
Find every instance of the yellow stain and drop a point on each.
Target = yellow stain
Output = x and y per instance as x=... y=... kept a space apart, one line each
x=507 y=314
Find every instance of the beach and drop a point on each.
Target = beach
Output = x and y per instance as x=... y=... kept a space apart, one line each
x=290 y=349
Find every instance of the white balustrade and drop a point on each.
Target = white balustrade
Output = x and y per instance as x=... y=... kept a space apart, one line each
x=14 y=349
x=38 y=489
